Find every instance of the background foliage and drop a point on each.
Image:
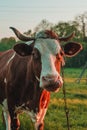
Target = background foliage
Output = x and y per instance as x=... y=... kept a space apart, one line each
x=79 y=26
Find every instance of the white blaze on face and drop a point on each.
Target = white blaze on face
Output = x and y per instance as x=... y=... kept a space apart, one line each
x=48 y=49
x=6 y=115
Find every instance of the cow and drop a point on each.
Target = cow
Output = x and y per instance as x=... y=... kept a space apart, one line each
x=29 y=72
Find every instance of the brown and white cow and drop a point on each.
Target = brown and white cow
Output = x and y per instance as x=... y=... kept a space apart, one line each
x=29 y=72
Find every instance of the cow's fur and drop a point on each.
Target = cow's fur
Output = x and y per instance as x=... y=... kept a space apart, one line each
x=28 y=73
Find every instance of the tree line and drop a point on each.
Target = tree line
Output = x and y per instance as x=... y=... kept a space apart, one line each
x=78 y=25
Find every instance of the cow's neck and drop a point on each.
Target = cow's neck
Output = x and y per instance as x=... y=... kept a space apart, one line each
x=36 y=98
x=31 y=93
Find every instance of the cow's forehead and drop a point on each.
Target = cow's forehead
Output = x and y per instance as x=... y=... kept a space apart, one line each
x=41 y=34
x=47 y=46
x=46 y=34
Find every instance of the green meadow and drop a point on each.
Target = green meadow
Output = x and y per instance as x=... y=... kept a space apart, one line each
x=76 y=97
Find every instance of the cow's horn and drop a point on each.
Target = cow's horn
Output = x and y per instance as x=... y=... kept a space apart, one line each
x=21 y=36
x=67 y=38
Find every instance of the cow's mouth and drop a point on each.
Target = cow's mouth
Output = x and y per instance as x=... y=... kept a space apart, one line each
x=50 y=85
x=54 y=87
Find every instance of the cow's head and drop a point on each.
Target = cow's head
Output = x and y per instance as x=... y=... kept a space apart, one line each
x=47 y=56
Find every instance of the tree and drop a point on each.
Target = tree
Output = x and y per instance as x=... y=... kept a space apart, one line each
x=43 y=25
x=65 y=28
x=28 y=33
x=82 y=21
x=7 y=43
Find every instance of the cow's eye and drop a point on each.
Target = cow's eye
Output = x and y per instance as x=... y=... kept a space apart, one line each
x=62 y=53
x=35 y=55
x=58 y=56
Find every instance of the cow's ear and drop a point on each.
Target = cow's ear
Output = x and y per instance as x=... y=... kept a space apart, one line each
x=72 y=48
x=23 y=49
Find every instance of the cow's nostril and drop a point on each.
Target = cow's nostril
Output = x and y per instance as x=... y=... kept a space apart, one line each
x=49 y=78
x=44 y=78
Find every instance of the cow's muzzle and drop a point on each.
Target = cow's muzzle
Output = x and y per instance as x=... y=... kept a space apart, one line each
x=52 y=83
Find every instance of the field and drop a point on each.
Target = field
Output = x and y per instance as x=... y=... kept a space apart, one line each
x=55 y=119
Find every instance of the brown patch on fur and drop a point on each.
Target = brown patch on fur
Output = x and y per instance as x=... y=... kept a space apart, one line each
x=44 y=99
x=51 y=34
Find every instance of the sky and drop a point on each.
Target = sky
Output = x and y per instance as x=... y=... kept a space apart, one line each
x=27 y=14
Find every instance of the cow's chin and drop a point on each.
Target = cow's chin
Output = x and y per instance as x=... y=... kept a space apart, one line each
x=53 y=87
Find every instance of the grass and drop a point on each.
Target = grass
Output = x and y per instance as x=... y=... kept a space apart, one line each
x=55 y=119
